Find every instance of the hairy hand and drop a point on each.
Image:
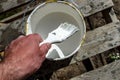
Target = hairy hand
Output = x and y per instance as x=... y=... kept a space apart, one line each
x=23 y=57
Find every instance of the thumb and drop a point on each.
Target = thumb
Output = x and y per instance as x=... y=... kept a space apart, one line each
x=44 y=48
x=43 y=51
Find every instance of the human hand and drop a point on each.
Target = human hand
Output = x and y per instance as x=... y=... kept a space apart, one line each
x=23 y=57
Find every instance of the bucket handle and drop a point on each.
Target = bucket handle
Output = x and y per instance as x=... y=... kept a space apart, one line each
x=58 y=50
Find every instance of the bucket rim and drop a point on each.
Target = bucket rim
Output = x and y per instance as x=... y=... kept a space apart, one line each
x=74 y=7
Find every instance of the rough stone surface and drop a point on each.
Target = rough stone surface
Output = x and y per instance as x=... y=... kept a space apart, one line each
x=108 y=72
x=99 y=40
x=89 y=7
x=7 y=4
x=10 y=31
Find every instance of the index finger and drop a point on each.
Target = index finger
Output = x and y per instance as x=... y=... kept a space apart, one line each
x=35 y=36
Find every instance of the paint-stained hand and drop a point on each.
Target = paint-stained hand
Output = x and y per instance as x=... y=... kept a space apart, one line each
x=23 y=57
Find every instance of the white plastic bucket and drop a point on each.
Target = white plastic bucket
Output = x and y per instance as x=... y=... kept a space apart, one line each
x=47 y=17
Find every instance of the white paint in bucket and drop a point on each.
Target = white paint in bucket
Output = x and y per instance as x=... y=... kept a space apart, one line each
x=48 y=16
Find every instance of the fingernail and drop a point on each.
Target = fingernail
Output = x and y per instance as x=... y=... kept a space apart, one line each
x=48 y=45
